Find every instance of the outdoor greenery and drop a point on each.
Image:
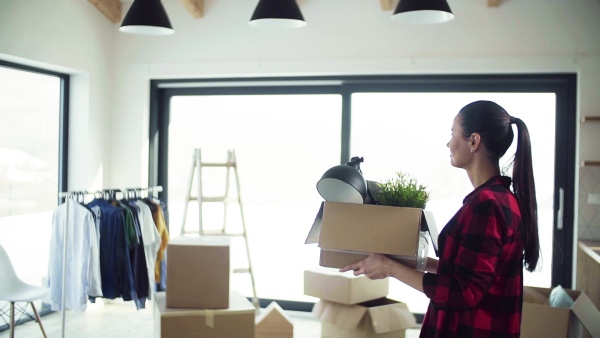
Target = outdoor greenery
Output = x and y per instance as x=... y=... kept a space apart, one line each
x=403 y=191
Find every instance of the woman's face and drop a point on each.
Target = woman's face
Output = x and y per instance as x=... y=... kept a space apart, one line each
x=460 y=147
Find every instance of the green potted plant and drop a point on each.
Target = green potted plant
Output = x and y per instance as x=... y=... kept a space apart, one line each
x=402 y=191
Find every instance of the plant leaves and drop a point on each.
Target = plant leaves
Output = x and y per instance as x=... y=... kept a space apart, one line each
x=403 y=191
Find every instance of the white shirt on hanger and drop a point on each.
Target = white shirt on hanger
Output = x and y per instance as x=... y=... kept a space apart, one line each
x=83 y=264
x=94 y=274
x=151 y=238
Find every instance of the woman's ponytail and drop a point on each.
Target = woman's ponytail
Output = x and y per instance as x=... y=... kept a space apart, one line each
x=524 y=190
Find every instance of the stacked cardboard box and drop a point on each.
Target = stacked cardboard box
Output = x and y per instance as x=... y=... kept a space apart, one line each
x=198 y=301
x=355 y=307
x=235 y=321
x=347 y=232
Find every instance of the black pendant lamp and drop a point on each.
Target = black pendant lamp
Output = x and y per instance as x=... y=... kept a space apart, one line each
x=422 y=11
x=147 y=17
x=277 y=14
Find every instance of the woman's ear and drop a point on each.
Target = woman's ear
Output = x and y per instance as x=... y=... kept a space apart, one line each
x=475 y=141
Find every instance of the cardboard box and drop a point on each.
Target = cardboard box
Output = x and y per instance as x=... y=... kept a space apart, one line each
x=337 y=259
x=272 y=322
x=381 y=318
x=346 y=232
x=330 y=330
x=541 y=320
x=198 y=272
x=332 y=285
x=236 y=321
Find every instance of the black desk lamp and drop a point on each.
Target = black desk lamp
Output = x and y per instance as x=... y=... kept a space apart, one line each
x=344 y=183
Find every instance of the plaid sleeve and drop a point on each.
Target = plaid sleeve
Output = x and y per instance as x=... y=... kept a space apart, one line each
x=475 y=245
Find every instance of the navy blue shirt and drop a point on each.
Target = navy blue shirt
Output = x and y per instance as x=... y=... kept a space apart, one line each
x=115 y=263
x=138 y=257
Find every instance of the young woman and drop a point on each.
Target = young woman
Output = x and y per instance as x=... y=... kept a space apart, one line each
x=476 y=287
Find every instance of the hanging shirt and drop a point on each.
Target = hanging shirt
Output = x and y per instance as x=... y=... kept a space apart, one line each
x=94 y=271
x=130 y=232
x=82 y=271
x=165 y=210
x=96 y=213
x=478 y=288
x=139 y=265
x=115 y=264
x=151 y=238
x=161 y=226
x=137 y=258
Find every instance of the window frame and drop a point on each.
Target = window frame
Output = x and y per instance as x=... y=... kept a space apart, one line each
x=63 y=141
x=564 y=85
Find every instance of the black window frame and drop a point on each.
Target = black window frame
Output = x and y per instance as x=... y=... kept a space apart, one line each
x=63 y=143
x=564 y=85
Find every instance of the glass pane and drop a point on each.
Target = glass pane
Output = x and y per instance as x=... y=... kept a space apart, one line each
x=29 y=136
x=409 y=131
x=281 y=143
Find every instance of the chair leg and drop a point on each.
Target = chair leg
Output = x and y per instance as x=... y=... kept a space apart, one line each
x=37 y=317
x=12 y=319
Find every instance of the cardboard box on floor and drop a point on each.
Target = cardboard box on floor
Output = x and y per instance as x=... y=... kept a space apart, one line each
x=198 y=272
x=236 y=321
x=380 y=318
x=541 y=320
x=273 y=322
x=347 y=232
x=332 y=285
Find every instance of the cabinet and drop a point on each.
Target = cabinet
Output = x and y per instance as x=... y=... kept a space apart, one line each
x=588 y=269
x=590 y=119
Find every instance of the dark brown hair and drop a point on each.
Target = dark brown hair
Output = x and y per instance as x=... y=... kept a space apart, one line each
x=494 y=125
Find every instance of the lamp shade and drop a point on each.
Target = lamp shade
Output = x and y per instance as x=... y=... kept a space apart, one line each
x=343 y=183
x=422 y=11
x=277 y=14
x=147 y=17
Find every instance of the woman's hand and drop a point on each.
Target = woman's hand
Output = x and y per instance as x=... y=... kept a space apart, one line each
x=376 y=266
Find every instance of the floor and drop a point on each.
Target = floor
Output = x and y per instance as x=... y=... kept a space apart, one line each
x=120 y=319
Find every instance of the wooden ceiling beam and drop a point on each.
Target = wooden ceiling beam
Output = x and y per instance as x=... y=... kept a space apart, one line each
x=493 y=3
x=387 y=5
x=195 y=7
x=110 y=8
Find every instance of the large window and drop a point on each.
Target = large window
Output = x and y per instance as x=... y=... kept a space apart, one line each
x=32 y=104
x=286 y=133
x=279 y=151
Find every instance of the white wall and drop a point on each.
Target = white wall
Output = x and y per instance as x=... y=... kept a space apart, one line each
x=354 y=37
x=69 y=36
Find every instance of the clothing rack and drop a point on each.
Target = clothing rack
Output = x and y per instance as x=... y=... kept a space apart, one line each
x=69 y=195
x=110 y=192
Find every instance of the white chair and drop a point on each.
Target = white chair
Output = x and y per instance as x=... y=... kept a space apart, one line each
x=13 y=290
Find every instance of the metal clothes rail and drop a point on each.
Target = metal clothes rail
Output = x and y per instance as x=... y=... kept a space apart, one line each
x=69 y=196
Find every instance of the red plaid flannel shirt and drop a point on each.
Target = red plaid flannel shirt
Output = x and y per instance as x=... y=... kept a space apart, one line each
x=478 y=288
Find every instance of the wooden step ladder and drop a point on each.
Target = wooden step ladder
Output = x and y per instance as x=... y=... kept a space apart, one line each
x=225 y=200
